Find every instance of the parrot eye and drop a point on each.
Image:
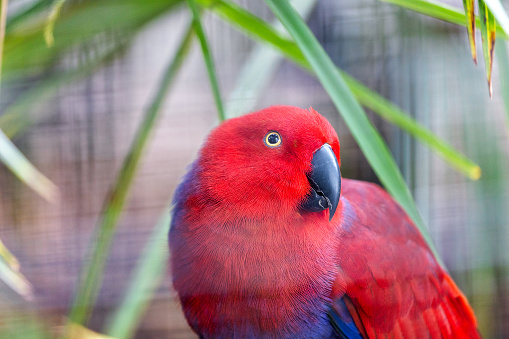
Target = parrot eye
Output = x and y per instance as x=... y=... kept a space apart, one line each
x=272 y=139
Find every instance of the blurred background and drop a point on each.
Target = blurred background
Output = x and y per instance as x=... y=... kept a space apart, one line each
x=73 y=109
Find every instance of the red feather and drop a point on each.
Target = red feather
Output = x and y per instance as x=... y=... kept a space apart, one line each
x=248 y=262
x=392 y=279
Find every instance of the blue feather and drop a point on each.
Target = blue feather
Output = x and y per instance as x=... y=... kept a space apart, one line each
x=343 y=322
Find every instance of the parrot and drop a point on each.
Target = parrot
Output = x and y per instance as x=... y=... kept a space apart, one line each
x=268 y=241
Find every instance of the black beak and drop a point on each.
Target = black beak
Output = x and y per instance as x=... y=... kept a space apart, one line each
x=325 y=181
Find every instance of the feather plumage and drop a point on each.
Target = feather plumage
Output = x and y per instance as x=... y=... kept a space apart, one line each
x=249 y=262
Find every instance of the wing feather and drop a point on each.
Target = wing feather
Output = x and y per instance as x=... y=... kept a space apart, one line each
x=394 y=286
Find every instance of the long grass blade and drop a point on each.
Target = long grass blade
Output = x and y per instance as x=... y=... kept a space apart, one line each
x=3 y=20
x=488 y=29
x=76 y=331
x=50 y=23
x=27 y=13
x=25 y=171
x=11 y=156
x=26 y=51
x=207 y=55
x=17 y=118
x=15 y=280
x=368 y=138
x=94 y=266
x=469 y=11
x=147 y=276
x=83 y=22
x=8 y=257
x=441 y=11
x=398 y=117
x=256 y=28
x=433 y=9
x=499 y=13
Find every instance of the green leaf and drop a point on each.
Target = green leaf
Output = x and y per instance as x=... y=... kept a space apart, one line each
x=76 y=331
x=11 y=156
x=396 y=116
x=433 y=9
x=147 y=276
x=499 y=13
x=50 y=24
x=94 y=265
x=27 y=14
x=8 y=257
x=469 y=11
x=207 y=55
x=258 y=29
x=488 y=29
x=10 y=274
x=440 y=11
x=489 y=10
x=16 y=281
x=79 y=23
x=368 y=138
x=17 y=118
x=25 y=171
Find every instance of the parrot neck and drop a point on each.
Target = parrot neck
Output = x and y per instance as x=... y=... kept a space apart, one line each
x=255 y=278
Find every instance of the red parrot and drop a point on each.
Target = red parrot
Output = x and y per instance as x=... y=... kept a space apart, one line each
x=267 y=241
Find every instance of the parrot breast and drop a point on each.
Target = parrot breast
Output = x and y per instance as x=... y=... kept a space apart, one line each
x=242 y=278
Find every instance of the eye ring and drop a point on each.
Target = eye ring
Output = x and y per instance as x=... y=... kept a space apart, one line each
x=272 y=139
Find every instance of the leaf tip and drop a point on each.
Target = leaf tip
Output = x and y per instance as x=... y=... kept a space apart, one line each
x=48 y=38
x=21 y=285
x=77 y=331
x=475 y=173
x=27 y=292
x=51 y=193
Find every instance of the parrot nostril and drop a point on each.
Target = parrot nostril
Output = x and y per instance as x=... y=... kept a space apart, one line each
x=325 y=206
x=325 y=202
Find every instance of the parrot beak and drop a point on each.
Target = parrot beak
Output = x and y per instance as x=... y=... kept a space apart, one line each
x=325 y=181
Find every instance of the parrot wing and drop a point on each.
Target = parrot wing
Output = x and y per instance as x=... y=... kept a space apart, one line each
x=390 y=285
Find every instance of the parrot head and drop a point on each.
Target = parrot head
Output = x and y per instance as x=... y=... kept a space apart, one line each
x=274 y=161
